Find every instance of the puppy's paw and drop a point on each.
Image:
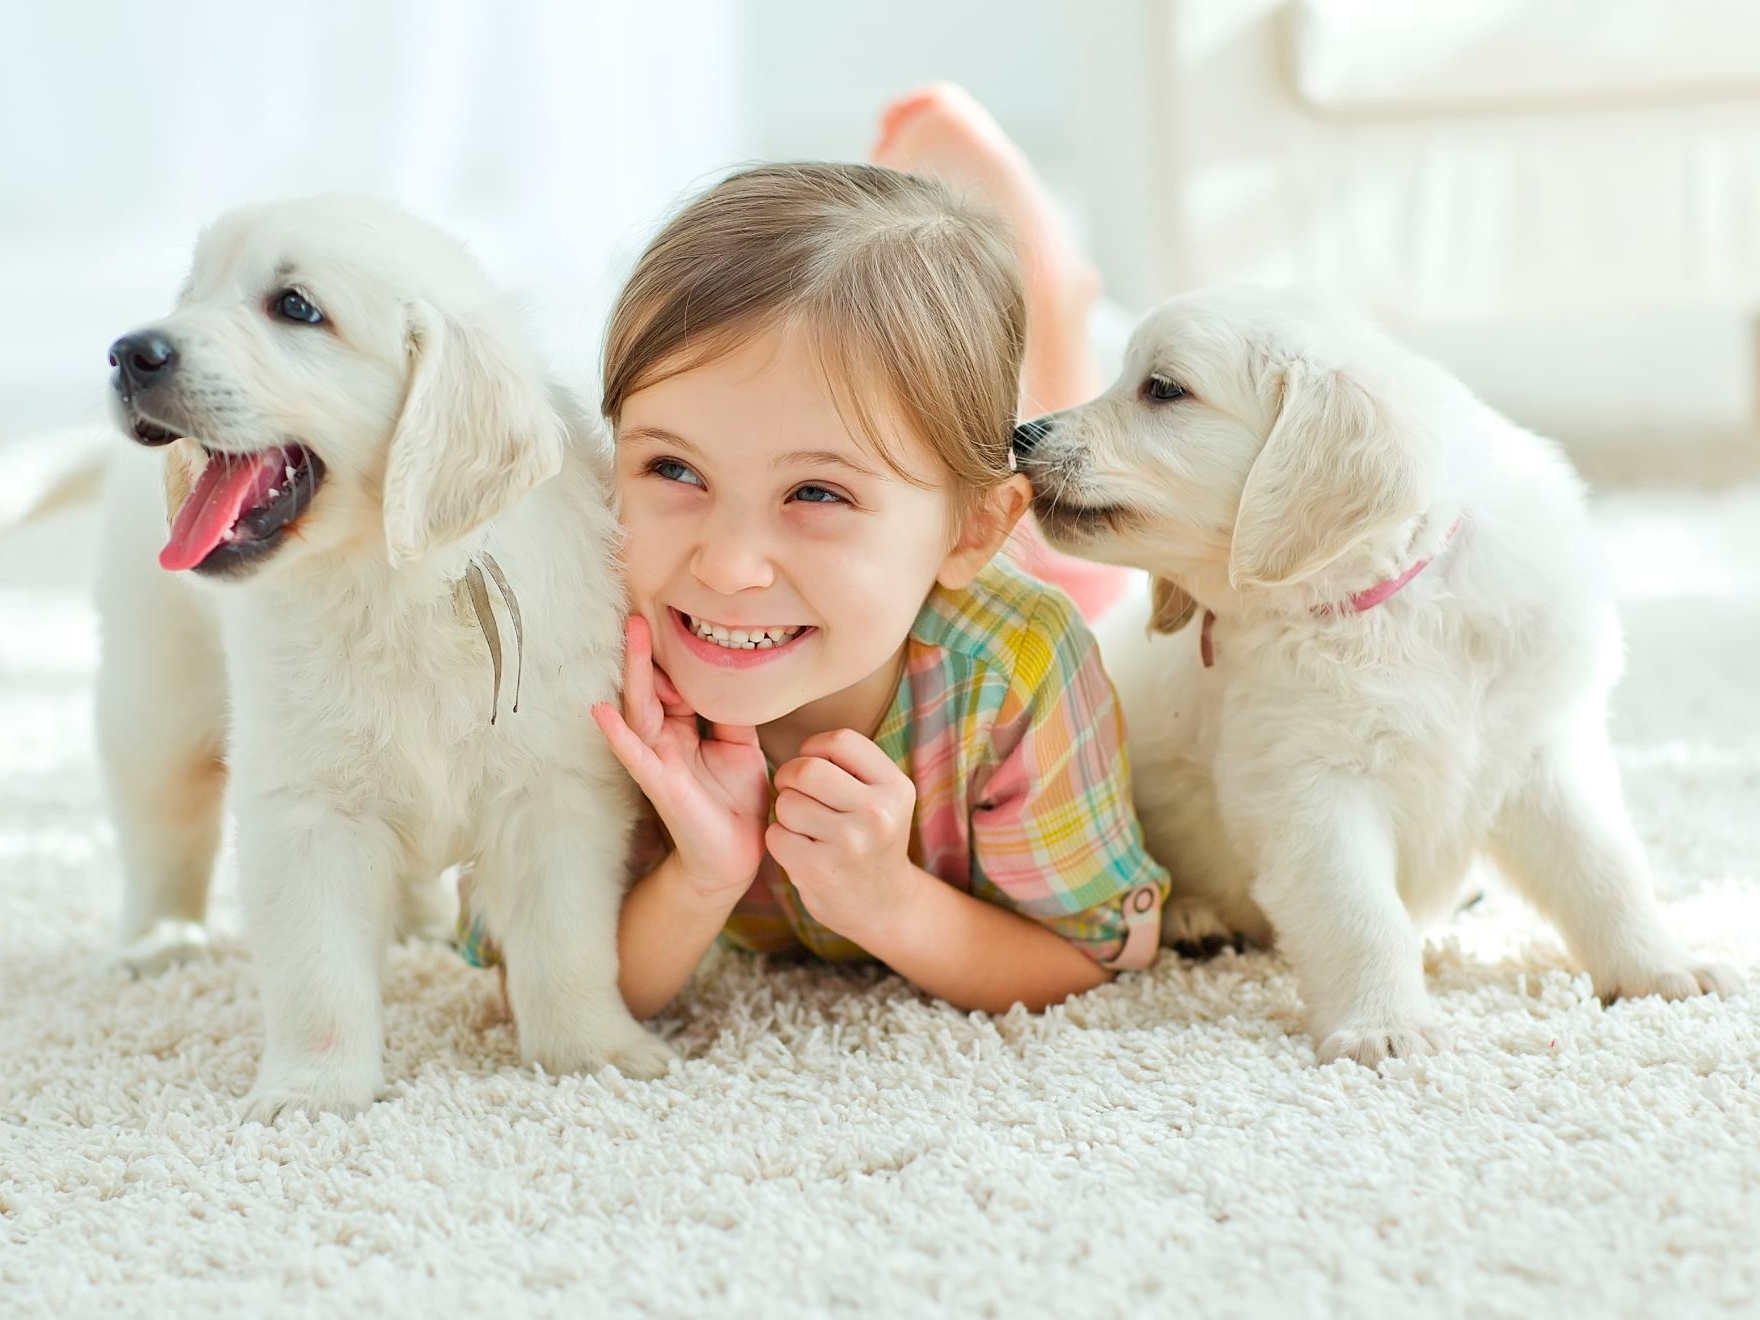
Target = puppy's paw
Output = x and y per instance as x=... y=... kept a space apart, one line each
x=310 y=1092
x=167 y=944
x=1671 y=979
x=1370 y=1045
x=267 y=1106
x=631 y=1049
x=644 y=1057
x=1191 y=928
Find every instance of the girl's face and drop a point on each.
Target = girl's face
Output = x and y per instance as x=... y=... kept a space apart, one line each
x=776 y=559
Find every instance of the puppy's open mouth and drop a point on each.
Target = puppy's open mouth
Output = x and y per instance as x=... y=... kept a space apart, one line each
x=240 y=507
x=151 y=433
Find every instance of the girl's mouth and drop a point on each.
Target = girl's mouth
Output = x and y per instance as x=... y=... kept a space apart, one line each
x=737 y=648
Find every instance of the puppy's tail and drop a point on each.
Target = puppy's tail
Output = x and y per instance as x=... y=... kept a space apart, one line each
x=50 y=470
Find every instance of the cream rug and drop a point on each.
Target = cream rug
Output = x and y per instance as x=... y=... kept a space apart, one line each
x=1165 y=1145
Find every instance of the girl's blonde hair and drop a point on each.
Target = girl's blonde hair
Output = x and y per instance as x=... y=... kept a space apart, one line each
x=912 y=301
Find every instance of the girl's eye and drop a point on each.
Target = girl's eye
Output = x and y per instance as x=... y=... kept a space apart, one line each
x=670 y=469
x=817 y=495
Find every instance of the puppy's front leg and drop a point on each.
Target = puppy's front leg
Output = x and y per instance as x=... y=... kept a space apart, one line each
x=319 y=891
x=551 y=877
x=1564 y=839
x=1326 y=876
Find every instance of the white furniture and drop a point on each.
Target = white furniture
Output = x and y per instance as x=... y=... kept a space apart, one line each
x=1570 y=166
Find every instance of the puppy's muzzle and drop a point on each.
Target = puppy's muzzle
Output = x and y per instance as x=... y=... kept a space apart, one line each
x=144 y=361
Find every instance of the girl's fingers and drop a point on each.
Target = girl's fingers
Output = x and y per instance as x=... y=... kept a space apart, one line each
x=785 y=845
x=664 y=689
x=850 y=751
x=800 y=814
x=637 y=757
x=641 y=708
x=823 y=780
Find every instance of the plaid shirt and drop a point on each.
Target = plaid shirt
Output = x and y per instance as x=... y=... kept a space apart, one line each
x=1011 y=731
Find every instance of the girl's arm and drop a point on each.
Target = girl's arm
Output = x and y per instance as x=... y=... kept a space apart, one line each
x=668 y=924
x=976 y=955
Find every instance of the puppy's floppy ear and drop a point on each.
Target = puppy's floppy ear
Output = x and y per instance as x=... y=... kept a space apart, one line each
x=477 y=431
x=1337 y=469
x=1171 y=608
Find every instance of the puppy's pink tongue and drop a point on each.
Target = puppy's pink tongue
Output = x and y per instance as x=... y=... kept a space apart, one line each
x=227 y=486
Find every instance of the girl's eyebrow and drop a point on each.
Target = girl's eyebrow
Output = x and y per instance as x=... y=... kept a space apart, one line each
x=657 y=436
x=822 y=458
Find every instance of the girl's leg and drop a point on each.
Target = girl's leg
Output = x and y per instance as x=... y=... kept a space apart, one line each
x=942 y=132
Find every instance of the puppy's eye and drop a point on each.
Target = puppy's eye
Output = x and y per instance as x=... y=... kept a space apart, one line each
x=1163 y=390
x=292 y=305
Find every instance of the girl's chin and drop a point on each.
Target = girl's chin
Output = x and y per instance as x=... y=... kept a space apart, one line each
x=738 y=710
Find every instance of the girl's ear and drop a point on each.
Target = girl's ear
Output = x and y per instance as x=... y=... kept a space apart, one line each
x=986 y=528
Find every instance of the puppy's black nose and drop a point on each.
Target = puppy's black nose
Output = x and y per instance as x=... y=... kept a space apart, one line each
x=141 y=360
x=1028 y=434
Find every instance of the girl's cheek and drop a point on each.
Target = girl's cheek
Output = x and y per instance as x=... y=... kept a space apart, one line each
x=826 y=524
x=643 y=503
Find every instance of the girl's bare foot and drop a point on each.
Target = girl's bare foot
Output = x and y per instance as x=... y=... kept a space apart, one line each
x=942 y=132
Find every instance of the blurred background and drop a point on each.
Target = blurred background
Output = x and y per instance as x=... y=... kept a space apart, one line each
x=1556 y=197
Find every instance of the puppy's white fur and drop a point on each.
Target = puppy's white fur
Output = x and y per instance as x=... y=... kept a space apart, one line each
x=1329 y=780
x=342 y=687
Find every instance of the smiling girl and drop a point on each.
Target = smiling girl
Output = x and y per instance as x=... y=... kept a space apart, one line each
x=866 y=736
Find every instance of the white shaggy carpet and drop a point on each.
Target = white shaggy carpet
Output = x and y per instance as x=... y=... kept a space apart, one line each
x=1165 y=1145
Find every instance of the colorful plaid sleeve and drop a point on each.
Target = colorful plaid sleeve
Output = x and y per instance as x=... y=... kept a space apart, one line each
x=1054 y=833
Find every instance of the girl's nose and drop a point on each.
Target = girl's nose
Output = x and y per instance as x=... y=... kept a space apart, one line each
x=731 y=558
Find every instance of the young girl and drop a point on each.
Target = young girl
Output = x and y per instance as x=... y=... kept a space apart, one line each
x=864 y=735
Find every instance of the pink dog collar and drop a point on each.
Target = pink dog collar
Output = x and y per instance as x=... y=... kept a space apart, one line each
x=1361 y=603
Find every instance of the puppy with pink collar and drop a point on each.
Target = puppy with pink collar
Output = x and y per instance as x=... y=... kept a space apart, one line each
x=1403 y=664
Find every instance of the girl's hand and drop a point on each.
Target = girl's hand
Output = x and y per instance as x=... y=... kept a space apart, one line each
x=712 y=793
x=842 y=832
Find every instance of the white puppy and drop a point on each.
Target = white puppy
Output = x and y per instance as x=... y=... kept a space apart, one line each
x=1401 y=646
x=361 y=451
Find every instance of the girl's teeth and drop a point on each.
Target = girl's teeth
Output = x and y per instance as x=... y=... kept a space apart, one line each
x=741 y=639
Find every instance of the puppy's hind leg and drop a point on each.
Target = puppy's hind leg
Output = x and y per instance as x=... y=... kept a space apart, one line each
x=161 y=702
x=1565 y=841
